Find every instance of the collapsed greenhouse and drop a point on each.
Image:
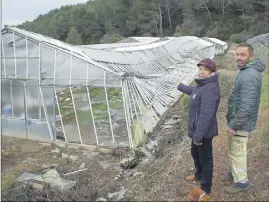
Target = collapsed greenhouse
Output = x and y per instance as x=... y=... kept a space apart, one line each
x=105 y=94
x=220 y=46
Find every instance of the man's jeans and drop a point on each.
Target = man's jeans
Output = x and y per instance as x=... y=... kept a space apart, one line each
x=237 y=151
x=203 y=161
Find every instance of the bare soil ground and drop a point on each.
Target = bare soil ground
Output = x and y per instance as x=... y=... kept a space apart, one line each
x=19 y=156
x=161 y=176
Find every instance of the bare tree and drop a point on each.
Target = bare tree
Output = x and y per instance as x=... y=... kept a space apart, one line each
x=209 y=14
x=169 y=16
x=161 y=20
x=155 y=24
x=255 y=13
x=223 y=6
x=244 y=17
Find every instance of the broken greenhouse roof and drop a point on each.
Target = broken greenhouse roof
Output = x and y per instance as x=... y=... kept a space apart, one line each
x=215 y=40
x=68 y=48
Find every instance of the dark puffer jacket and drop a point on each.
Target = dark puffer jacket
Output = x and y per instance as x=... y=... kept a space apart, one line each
x=244 y=101
x=204 y=102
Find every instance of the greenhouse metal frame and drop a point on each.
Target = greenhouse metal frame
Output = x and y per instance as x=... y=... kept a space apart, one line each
x=105 y=95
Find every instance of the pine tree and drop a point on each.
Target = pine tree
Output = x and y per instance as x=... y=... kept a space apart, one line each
x=73 y=37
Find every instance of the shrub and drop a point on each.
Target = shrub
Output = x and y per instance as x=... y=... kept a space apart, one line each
x=241 y=37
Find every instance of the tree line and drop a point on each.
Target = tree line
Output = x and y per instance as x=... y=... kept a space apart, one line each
x=108 y=21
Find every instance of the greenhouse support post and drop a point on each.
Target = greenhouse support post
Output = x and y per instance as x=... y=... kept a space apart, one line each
x=14 y=52
x=90 y=103
x=1 y=65
x=60 y=115
x=108 y=110
x=126 y=116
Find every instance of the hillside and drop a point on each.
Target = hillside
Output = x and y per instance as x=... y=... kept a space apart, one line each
x=106 y=21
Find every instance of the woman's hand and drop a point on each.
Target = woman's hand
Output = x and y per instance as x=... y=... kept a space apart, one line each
x=178 y=81
x=198 y=144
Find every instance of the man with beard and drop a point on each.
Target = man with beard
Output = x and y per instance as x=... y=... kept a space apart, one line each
x=242 y=114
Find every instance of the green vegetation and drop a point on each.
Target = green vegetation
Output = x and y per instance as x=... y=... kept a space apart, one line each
x=99 y=108
x=7 y=181
x=73 y=37
x=106 y=21
x=139 y=138
x=263 y=51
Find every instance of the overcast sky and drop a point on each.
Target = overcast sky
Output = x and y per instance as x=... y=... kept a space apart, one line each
x=18 y=11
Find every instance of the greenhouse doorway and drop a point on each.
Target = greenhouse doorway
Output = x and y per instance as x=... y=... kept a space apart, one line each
x=23 y=112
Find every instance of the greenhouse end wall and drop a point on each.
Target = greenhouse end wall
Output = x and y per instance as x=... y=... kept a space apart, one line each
x=50 y=94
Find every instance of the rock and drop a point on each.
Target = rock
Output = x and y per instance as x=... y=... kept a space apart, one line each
x=51 y=177
x=117 y=196
x=119 y=176
x=82 y=166
x=127 y=160
x=51 y=174
x=101 y=200
x=129 y=163
x=73 y=158
x=55 y=151
x=151 y=145
x=137 y=173
x=64 y=155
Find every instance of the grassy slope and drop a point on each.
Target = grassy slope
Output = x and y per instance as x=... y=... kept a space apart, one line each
x=265 y=87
